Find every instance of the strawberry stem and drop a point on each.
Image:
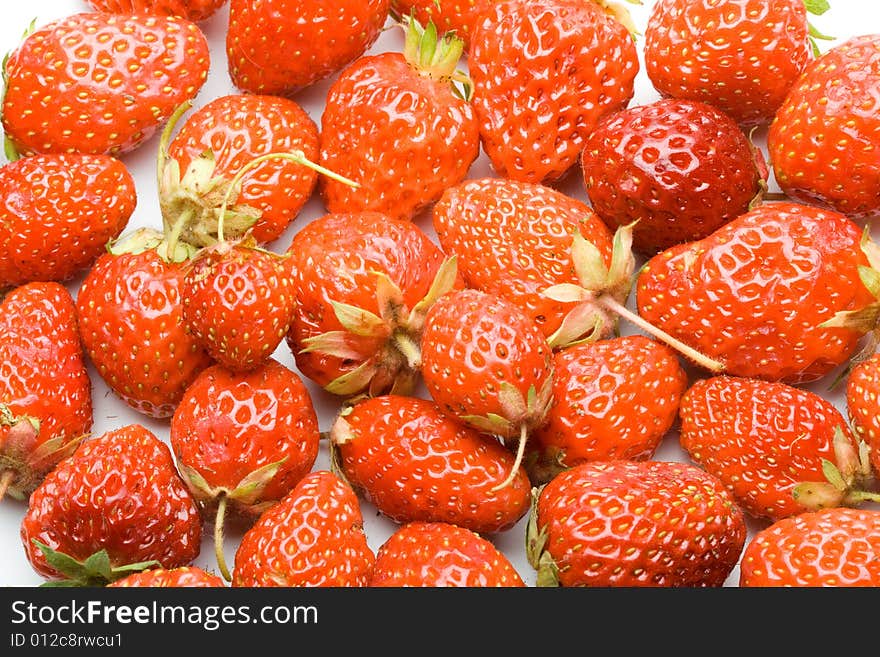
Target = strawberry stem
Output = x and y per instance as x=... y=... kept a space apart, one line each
x=520 y=452
x=218 y=537
x=700 y=359
x=6 y=480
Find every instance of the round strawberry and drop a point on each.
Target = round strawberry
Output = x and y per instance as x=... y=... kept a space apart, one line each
x=823 y=142
x=364 y=282
x=634 y=524
x=396 y=124
x=184 y=576
x=612 y=399
x=438 y=554
x=130 y=318
x=278 y=47
x=45 y=391
x=68 y=92
x=742 y=56
x=762 y=293
x=57 y=213
x=313 y=537
x=194 y=10
x=414 y=463
x=543 y=74
x=680 y=168
x=827 y=548
x=119 y=494
x=214 y=144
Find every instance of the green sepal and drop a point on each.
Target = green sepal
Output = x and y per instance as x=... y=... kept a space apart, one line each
x=94 y=571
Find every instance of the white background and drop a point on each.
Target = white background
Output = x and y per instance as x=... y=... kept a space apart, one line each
x=846 y=18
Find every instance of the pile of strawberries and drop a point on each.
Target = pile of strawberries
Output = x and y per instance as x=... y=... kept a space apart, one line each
x=500 y=352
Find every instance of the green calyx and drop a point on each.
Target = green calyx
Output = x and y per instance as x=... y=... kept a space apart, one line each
x=436 y=56
x=95 y=571
x=148 y=239
x=536 y=543
x=816 y=8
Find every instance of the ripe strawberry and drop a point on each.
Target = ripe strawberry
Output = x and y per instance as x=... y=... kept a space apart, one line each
x=679 y=168
x=823 y=142
x=612 y=399
x=862 y=406
x=278 y=47
x=770 y=444
x=486 y=363
x=184 y=576
x=45 y=391
x=131 y=323
x=118 y=494
x=438 y=554
x=243 y=441
x=755 y=293
x=513 y=239
x=455 y=16
x=57 y=213
x=238 y=302
x=67 y=92
x=364 y=283
x=410 y=460
x=826 y=548
x=215 y=143
x=741 y=56
x=634 y=523
x=313 y=537
x=194 y=10
x=396 y=124
x=543 y=74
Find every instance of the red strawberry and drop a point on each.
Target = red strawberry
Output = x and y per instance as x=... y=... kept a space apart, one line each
x=513 y=239
x=214 y=144
x=410 y=460
x=633 y=524
x=244 y=441
x=313 y=537
x=438 y=554
x=770 y=444
x=455 y=16
x=184 y=576
x=741 y=56
x=45 y=392
x=543 y=74
x=862 y=405
x=397 y=125
x=131 y=323
x=100 y=99
x=119 y=494
x=679 y=168
x=238 y=302
x=755 y=294
x=486 y=363
x=194 y=10
x=279 y=47
x=612 y=399
x=364 y=283
x=57 y=213
x=823 y=142
x=826 y=548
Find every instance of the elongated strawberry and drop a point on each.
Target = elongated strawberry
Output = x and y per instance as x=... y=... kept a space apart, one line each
x=183 y=576
x=762 y=293
x=612 y=399
x=198 y=166
x=676 y=169
x=243 y=441
x=67 y=92
x=313 y=537
x=194 y=10
x=279 y=47
x=437 y=554
x=364 y=283
x=130 y=317
x=45 y=391
x=543 y=74
x=119 y=494
x=773 y=445
x=823 y=141
x=397 y=124
x=827 y=548
x=57 y=213
x=414 y=463
x=627 y=523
